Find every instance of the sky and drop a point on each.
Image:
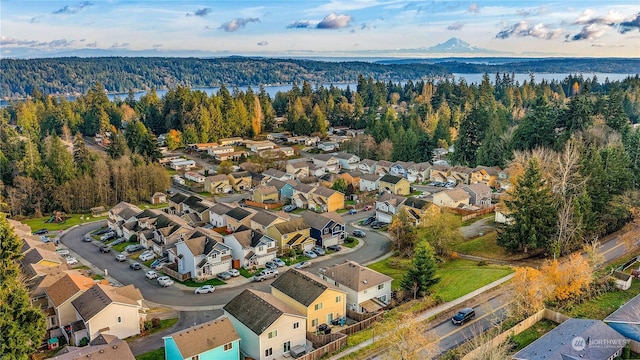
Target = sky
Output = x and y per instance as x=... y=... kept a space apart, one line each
x=332 y=28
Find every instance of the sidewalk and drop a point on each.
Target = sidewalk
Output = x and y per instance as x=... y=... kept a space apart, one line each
x=431 y=312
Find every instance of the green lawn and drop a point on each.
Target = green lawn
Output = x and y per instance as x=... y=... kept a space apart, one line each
x=157 y=354
x=486 y=247
x=194 y=284
x=351 y=244
x=605 y=304
x=74 y=219
x=532 y=334
x=120 y=247
x=393 y=267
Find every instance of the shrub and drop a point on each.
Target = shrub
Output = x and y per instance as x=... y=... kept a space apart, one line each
x=133 y=238
x=482 y=263
x=84 y=341
x=148 y=325
x=155 y=321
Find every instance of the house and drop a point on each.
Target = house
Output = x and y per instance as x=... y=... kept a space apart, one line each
x=486 y=175
x=201 y=147
x=440 y=173
x=575 y=339
x=322 y=199
x=219 y=150
x=625 y=320
x=479 y=194
x=107 y=310
x=317 y=300
x=237 y=217
x=158 y=198
x=231 y=156
x=348 y=161
x=196 y=205
x=383 y=167
x=301 y=194
x=327 y=179
x=369 y=182
x=285 y=188
x=298 y=169
x=418 y=210
x=103 y=347
x=194 y=176
x=251 y=248
x=277 y=136
x=217 y=184
x=367 y=290
x=268 y=327
x=42 y=257
x=504 y=179
x=61 y=293
x=257 y=146
x=451 y=198
x=352 y=178
x=327 y=161
x=240 y=180
x=327 y=146
x=217 y=214
x=326 y=228
x=265 y=194
x=201 y=253
x=230 y=141
x=262 y=219
x=461 y=174
x=316 y=171
x=182 y=164
x=502 y=215
x=400 y=168
x=419 y=172
x=215 y=339
x=293 y=234
x=388 y=205
x=122 y=213
x=277 y=174
x=367 y=166
x=395 y=184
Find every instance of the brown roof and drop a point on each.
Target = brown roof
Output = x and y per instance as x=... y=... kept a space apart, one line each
x=462 y=169
x=38 y=254
x=292 y=225
x=219 y=177
x=392 y=199
x=457 y=194
x=319 y=221
x=103 y=347
x=368 y=162
x=478 y=188
x=99 y=296
x=299 y=164
x=264 y=218
x=489 y=170
x=265 y=190
x=325 y=191
x=204 y=337
x=356 y=277
x=67 y=286
x=370 y=177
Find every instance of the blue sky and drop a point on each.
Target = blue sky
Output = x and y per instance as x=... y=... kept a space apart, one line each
x=320 y=28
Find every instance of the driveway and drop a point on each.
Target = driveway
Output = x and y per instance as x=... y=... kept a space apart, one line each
x=478 y=228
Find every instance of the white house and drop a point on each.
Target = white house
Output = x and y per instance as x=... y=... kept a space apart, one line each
x=367 y=290
x=367 y=166
x=203 y=254
x=258 y=146
x=217 y=213
x=195 y=177
x=327 y=161
x=387 y=205
x=327 y=146
x=250 y=248
x=220 y=150
x=369 y=182
x=348 y=161
x=182 y=164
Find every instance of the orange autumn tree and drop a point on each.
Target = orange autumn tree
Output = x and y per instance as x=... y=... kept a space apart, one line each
x=530 y=290
x=569 y=279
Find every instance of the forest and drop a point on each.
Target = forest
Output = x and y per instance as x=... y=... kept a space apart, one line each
x=529 y=127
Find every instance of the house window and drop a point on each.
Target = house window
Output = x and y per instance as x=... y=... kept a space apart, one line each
x=314 y=322
x=329 y=318
x=260 y=248
x=383 y=298
x=119 y=319
x=318 y=306
x=326 y=230
x=228 y=346
x=296 y=325
x=197 y=357
x=286 y=346
x=272 y=334
x=268 y=352
x=381 y=286
x=338 y=298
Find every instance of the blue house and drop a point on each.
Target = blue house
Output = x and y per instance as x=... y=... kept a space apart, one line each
x=285 y=188
x=326 y=228
x=213 y=340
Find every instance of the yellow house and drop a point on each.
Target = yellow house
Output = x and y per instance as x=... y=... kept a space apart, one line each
x=240 y=180
x=263 y=194
x=217 y=184
x=292 y=234
x=319 y=301
x=352 y=178
x=486 y=175
x=396 y=184
x=323 y=199
x=418 y=210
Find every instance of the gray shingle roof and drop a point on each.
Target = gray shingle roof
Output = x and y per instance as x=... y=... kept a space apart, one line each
x=300 y=286
x=257 y=310
x=291 y=226
x=238 y=213
x=391 y=179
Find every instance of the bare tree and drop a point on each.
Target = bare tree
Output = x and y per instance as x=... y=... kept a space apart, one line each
x=407 y=339
x=482 y=343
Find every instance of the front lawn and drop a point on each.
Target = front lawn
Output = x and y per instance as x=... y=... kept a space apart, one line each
x=351 y=244
x=194 y=284
x=120 y=247
x=532 y=334
x=157 y=354
x=485 y=246
x=74 y=219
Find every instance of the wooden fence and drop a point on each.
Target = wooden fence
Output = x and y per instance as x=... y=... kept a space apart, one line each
x=480 y=212
x=361 y=325
x=263 y=205
x=338 y=341
x=174 y=274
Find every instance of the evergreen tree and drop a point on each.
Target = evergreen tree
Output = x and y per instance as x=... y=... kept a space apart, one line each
x=22 y=326
x=471 y=134
x=532 y=211
x=422 y=274
x=81 y=155
x=118 y=146
x=493 y=151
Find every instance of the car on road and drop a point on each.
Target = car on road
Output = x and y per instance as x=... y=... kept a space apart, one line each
x=224 y=275
x=279 y=262
x=302 y=265
x=133 y=248
x=234 y=272
x=151 y=275
x=205 y=289
x=319 y=251
x=353 y=211
x=135 y=266
x=334 y=247
x=368 y=220
x=310 y=254
x=367 y=208
x=71 y=260
x=105 y=249
x=147 y=255
x=265 y=275
x=271 y=265
x=359 y=233
x=165 y=281
x=87 y=239
x=463 y=316
x=40 y=232
x=102 y=231
x=121 y=257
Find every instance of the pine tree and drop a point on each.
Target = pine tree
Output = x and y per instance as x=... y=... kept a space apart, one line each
x=422 y=274
x=22 y=326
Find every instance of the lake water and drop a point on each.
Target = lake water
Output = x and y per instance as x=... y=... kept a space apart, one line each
x=469 y=78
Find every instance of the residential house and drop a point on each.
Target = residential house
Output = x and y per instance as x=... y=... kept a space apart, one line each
x=354 y=132
x=265 y=194
x=575 y=339
x=327 y=179
x=367 y=166
x=217 y=214
x=327 y=161
x=230 y=141
x=388 y=205
x=348 y=161
x=268 y=327
x=168 y=229
x=352 y=178
x=277 y=174
x=479 y=194
x=400 y=168
x=257 y=146
x=419 y=209
x=383 y=167
x=120 y=214
x=182 y=164
x=240 y=180
x=231 y=156
x=440 y=173
x=369 y=182
x=337 y=139
x=301 y=194
x=61 y=293
x=486 y=175
x=218 y=184
x=214 y=340
x=285 y=188
x=103 y=347
x=396 y=184
x=237 y=217
x=201 y=147
x=322 y=199
x=317 y=300
x=292 y=234
x=367 y=290
x=262 y=219
x=197 y=205
x=316 y=171
x=451 y=198
x=461 y=174
x=176 y=201
x=201 y=253
x=439 y=154
x=42 y=257
x=158 y=198
x=251 y=248
x=326 y=228
x=107 y=310
x=625 y=320
x=195 y=177
x=327 y=146
x=504 y=179
x=419 y=173
x=298 y=169
x=277 y=136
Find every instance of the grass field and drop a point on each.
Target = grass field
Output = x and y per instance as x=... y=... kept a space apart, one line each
x=486 y=247
x=74 y=219
x=532 y=334
x=157 y=354
x=194 y=284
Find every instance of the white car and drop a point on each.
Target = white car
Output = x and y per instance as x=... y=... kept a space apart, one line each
x=234 y=272
x=147 y=255
x=165 y=281
x=206 y=289
x=121 y=257
x=71 y=260
x=151 y=274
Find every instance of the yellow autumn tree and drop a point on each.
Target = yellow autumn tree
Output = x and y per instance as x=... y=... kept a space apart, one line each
x=569 y=279
x=530 y=291
x=257 y=118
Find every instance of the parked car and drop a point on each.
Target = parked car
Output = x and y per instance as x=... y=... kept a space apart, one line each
x=224 y=276
x=289 y=208
x=319 y=250
x=334 y=247
x=147 y=255
x=40 y=232
x=107 y=236
x=63 y=252
x=353 y=211
x=105 y=249
x=102 y=231
x=157 y=263
x=376 y=225
x=151 y=275
x=310 y=254
x=324 y=328
x=45 y=239
x=87 y=239
x=367 y=208
x=117 y=241
x=302 y=265
x=463 y=316
x=133 y=248
x=271 y=265
x=265 y=275
x=135 y=266
x=121 y=257
x=234 y=272
x=205 y=289
x=279 y=262
x=369 y=220
x=165 y=281
x=71 y=260
x=359 y=233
